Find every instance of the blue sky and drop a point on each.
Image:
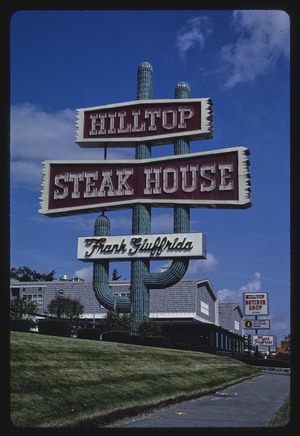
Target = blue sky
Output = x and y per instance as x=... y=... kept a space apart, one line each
x=64 y=60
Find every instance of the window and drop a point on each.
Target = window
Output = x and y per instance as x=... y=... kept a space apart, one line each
x=236 y=325
x=37 y=298
x=204 y=307
x=15 y=292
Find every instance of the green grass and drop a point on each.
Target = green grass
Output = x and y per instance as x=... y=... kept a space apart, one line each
x=282 y=416
x=56 y=380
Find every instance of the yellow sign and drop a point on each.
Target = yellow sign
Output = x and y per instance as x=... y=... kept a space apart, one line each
x=285 y=344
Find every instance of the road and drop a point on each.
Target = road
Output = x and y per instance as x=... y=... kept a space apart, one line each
x=251 y=403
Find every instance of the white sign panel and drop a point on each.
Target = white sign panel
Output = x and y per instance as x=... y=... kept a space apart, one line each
x=153 y=246
x=256 y=324
x=263 y=340
x=256 y=303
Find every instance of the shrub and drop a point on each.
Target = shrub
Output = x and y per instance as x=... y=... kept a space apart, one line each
x=155 y=341
x=118 y=321
x=89 y=333
x=150 y=328
x=182 y=346
x=116 y=336
x=55 y=327
x=136 y=339
x=20 y=325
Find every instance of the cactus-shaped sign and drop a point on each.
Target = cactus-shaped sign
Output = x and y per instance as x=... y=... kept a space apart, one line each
x=209 y=179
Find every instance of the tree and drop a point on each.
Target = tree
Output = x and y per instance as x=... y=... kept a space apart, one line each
x=25 y=274
x=66 y=308
x=21 y=306
x=118 y=321
x=150 y=328
x=116 y=275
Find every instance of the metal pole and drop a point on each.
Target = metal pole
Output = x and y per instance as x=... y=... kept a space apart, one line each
x=256 y=348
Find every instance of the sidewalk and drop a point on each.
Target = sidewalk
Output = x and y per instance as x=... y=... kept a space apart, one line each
x=251 y=403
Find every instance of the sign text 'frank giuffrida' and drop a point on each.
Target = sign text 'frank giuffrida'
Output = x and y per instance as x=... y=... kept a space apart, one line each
x=154 y=246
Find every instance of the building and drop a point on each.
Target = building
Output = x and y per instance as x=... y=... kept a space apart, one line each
x=231 y=316
x=189 y=310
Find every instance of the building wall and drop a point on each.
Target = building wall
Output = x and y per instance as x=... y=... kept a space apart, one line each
x=238 y=318
x=229 y=316
x=34 y=292
x=177 y=299
x=188 y=299
x=205 y=304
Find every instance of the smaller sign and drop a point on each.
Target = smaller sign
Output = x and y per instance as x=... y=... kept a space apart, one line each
x=263 y=340
x=131 y=247
x=257 y=324
x=256 y=303
x=286 y=344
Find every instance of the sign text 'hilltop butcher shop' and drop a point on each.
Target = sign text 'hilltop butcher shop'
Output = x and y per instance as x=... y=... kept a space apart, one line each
x=256 y=303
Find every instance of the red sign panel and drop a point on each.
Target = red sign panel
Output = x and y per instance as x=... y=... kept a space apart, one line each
x=157 y=121
x=209 y=179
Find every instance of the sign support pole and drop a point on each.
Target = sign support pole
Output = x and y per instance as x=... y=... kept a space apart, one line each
x=141 y=279
x=178 y=268
x=141 y=216
x=256 y=348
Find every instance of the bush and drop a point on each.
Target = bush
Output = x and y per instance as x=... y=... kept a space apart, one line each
x=136 y=339
x=182 y=346
x=116 y=321
x=55 y=327
x=155 y=341
x=116 y=336
x=150 y=328
x=89 y=333
x=20 y=325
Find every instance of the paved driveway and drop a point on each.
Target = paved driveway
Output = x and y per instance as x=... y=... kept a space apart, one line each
x=251 y=403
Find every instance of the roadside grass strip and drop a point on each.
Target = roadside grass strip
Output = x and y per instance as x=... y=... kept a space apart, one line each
x=282 y=416
x=59 y=381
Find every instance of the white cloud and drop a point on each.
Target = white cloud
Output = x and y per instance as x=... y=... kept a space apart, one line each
x=26 y=171
x=38 y=135
x=195 y=267
x=193 y=34
x=85 y=273
x=199 y=266
x=231 y=295
x=263 y=40
x=254 y=285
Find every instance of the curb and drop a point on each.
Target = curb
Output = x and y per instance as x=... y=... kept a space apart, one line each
x=132 y=411
x=273 y=368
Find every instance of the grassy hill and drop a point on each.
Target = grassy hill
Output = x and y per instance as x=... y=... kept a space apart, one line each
x=57 y=380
